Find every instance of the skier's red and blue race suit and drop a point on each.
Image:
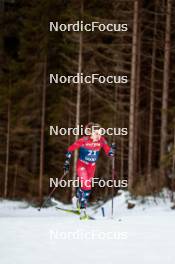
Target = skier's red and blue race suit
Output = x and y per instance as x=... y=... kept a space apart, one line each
x=86 y=164
x=88 y=155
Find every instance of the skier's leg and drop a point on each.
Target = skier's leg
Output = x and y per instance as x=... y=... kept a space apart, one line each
x=83 y=192
x=83 y=196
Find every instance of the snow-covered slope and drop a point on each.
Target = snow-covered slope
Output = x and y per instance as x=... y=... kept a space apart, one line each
x=144 y=234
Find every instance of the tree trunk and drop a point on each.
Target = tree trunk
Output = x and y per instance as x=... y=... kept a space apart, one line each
x=174 y=151
x=78 y=96
x=151 y=112
x=15 y=180
x=89 y=103
x=136 y=111
x=122 y=154
x=7 y=149
x=43 y=110
x=173 y=169
x=1 y=34
x=166 y=74
x=132 y=95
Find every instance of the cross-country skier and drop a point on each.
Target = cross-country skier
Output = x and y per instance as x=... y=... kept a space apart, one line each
x=89 y=147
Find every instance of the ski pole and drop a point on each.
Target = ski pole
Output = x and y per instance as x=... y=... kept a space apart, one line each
x=113 y=145
x=50 y=194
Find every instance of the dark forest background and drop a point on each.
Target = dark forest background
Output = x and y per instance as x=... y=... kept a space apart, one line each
x=29 y=105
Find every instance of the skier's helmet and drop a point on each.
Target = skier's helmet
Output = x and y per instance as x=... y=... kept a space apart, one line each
x=91 y=127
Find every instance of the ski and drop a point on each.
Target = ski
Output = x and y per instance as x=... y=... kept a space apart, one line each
x=76 y=212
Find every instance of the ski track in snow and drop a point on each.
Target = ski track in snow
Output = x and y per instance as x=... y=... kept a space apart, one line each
x=144 y=234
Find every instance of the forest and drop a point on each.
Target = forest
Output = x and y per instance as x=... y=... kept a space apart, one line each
x=30 y=104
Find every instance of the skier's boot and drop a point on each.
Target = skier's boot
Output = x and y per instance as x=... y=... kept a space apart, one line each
x=75 y=203
x=83 y=214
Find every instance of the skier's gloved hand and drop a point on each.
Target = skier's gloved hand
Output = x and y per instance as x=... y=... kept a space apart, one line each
x=112 y=150
x=67 y=162
x=66 y=165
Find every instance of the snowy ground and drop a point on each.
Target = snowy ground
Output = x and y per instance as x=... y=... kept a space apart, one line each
x=144 y=234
